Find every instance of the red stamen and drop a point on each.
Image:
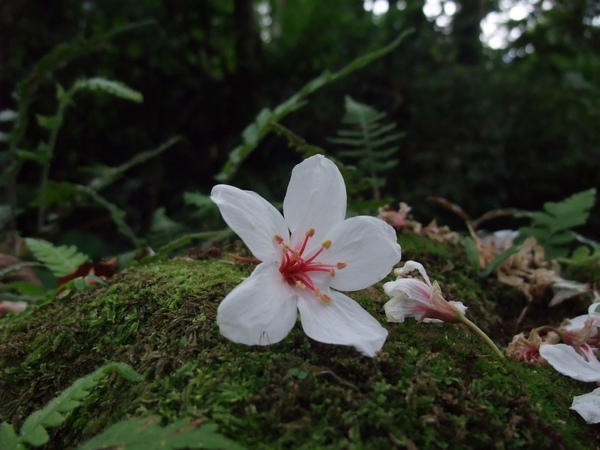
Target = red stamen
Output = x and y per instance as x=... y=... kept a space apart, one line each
x=296 y=269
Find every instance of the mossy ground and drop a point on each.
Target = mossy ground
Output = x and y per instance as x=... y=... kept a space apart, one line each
x=432 y=386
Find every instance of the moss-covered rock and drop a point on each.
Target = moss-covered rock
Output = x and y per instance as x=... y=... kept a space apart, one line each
x=432 y=385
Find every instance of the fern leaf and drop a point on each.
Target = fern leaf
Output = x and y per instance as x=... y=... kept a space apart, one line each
x=571 y=212
x=146 y=434
x=61 y=260
x=115 y=88
x=368 y=142
x=54 y=413
x=552 y=227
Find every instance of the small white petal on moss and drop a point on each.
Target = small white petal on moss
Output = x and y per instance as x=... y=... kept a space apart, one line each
x=588 y=406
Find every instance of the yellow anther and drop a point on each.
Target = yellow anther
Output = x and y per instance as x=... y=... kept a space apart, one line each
x=332 y=272
x=341 y=265
x=300 y=284
x=326 y=244
x=278 y=239
x=325 y=298
x=311 y=232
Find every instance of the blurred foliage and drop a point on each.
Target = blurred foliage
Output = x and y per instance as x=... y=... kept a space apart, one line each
x=485 y=128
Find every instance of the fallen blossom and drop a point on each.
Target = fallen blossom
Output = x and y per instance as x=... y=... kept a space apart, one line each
x=418 y=298
x=527 y=349
x=11 y=307
x=588 y=406
x=490 y=245
x=438 y=233
x=397 y=219
x=423 y=300
x=565 y=359
x=307 y=256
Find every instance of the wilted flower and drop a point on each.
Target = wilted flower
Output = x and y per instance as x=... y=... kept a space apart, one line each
x=423 y=300
x=419 y=298
x=527 y=349
x=397 y=219
x=306 y=255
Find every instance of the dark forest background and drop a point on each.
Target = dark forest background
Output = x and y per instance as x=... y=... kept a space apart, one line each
x=485 y=128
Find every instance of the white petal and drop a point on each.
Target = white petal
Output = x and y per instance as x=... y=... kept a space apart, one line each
x=588 y=406
x=261 y=310
x=369 y=248
x=567 y=361
x=315 y=198
x=254 y=220
x=400 y=307
x=576 y=323
x=411 y=288
x=342 y=322
x=594 y=308
x=409 y=266
x=565 y=289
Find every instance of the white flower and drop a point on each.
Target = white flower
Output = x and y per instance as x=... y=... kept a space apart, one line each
x=305 y=253
x=411 y=297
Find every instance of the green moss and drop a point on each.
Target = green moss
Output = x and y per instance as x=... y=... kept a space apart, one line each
x=432 y=386
x=415 y=246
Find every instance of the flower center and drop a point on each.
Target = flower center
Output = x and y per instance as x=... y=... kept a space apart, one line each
x=297 y=267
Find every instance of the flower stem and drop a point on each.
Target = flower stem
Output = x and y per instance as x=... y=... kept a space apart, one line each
x=474 y=328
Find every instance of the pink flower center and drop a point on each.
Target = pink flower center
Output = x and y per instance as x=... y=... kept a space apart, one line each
x=298 y=267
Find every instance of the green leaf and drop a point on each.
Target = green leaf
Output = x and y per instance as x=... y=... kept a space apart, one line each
x=471 y=249
x=8 y=437
x=28 y=155
x=147 y=434
x=54 y=413
x=197 y=199
x=498 y=260
x=48 y=122
x=61 y=260
x=27 y=289
x=115 y=88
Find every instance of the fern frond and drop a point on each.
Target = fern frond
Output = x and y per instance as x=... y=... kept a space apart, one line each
x=134 y=434
x=115 y=88
x=61 y=260
x=571 y=212
x=552 y=227
x=368 y=141
x=34 y=431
